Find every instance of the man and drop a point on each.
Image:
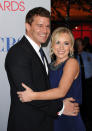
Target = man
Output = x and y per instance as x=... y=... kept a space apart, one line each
x=24 y=64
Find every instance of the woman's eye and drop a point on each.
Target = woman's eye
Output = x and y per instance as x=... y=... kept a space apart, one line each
x=57 y=42
x=66 y=43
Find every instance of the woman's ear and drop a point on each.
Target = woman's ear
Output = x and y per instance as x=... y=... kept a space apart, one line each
x=72 y=49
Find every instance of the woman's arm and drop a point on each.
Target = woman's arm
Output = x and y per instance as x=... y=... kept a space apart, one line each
x=70 y=72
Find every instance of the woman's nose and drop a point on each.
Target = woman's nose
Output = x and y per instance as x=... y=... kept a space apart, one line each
x=61 y=46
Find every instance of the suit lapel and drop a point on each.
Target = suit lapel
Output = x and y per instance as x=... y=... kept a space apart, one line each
x=32 y=53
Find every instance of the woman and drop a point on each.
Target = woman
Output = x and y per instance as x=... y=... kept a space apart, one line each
x=64 y=78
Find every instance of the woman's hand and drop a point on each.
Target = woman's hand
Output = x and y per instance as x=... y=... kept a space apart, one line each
x=27 y=95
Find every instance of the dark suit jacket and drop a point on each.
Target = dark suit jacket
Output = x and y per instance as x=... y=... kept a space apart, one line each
x=22 y=64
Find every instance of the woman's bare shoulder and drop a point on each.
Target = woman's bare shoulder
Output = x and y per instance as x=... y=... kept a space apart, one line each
x=72 y=63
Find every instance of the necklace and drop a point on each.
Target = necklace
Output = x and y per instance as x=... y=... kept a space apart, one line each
x=53 y=66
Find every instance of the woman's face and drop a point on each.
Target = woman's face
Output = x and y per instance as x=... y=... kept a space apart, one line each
x=62 y=46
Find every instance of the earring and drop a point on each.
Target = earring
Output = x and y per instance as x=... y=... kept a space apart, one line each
x=71 y=53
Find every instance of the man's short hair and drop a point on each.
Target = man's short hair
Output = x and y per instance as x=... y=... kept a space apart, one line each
x=38 y=11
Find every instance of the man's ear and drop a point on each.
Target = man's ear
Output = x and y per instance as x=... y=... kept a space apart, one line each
x=27 y=27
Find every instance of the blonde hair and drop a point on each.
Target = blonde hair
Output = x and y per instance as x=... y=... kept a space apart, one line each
x=56 y=33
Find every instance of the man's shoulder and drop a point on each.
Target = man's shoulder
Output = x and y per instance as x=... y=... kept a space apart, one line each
x=15 y=48
x=15 y=52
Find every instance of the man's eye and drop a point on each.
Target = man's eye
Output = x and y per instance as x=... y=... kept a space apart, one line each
x=57 y=42
x=48 y=26
x=39 y=25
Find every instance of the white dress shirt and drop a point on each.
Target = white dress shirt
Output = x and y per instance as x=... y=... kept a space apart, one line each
x=37 y=48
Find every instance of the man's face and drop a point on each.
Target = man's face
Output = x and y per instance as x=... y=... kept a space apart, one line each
x=39 y=29
x=80 y=48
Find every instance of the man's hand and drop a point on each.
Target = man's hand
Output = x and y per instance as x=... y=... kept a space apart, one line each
x=70 y=108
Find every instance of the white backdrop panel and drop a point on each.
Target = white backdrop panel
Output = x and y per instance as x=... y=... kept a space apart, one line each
x=12 y=28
